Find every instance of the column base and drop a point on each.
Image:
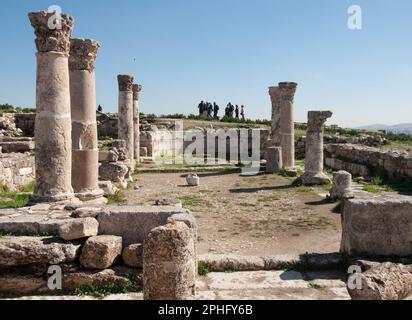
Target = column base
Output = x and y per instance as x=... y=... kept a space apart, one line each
x=291 y=172
x=88 y=195
x=309 y=179
x=51 y=199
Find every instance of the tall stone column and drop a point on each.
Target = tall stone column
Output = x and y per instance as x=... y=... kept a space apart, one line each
x=126 y=131
x=287 y=92
x=136 y=121
x=53 y=126
x=85 y=161
x=314 y=148
x=274 y=93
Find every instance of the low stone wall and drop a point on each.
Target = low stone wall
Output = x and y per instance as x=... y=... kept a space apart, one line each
x=361 y=160
x=25 y=122
x=92 y=246
x=107 y=125
x=16 y=170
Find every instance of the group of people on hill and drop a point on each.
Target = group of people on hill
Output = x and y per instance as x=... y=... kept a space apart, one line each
x=232 y=111
x=209 y=110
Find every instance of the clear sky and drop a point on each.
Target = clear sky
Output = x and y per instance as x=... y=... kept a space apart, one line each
x=184 y=51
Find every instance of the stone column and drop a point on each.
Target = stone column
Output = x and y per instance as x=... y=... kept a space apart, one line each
x=169 y=268
x=287 y=92
x=53 y=156
x=274 y=160
x=314 y=148
x=126 y=131
x=136 y=121
x=341 y=185
x=276 y=138
x=85 y=161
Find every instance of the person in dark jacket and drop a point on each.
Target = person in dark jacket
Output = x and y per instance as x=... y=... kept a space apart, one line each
x=201 y=107
x=242 y=113
x=209 y=110
x=215 y=110
x=237 y=112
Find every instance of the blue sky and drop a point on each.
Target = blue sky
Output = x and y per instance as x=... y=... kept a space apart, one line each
x=183 y=51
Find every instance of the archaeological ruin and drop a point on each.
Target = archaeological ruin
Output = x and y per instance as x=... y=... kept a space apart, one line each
x=135 y=206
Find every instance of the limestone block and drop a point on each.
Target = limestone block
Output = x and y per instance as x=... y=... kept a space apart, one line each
x=108 y=187
x=133 y=255
x=169 y=268
x=384 y=281
x=101 y=252
x=78 y=229
x=377 y=226
x=15 y=251
x=133 y=223
x=193 y=180
x=113 y=171
x=341 y=185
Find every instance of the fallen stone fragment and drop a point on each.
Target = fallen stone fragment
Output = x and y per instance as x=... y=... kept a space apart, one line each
x=78 y=229
x=17 y=251
x=86 y=212
x=100 y=252
x=385 y=281
x=133 y=255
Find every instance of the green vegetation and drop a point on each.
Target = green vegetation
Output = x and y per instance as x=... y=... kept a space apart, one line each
x=371 y=188
x=8 y=108
x=192 y=201
x=315 y=286
x=202 y=268
x=103 y=291
x=118 y=197
x=17 y=199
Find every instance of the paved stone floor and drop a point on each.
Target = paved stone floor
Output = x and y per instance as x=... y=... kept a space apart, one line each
x=257 y=285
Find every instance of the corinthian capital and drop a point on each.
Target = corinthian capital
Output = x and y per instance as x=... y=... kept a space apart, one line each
x=136 y=91
x=288 y=90
x=52 y=30
x=125 y=82
x=83 y=53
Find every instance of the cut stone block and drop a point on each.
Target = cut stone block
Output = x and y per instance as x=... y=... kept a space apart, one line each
x=169 y=263
x=133 y=255
x=377 y=226
x=16 y=251
x=101 y=252
x=133 y=223
x=78 y=229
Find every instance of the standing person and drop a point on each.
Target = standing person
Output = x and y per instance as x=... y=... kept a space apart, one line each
x=205 y=108
x=237 y=112
x=227 y=112
x=209 y=110
x=215 y=110
x=200 y=106
x=231 y=110
x=242 y=113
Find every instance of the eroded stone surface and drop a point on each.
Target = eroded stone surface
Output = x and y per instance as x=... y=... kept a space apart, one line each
x=16 y=251
x=78 y=229
x=133 y=255
x=385 y=281
x=377 y=226
x=341 y=185
x=169 y=263
x=101 y=252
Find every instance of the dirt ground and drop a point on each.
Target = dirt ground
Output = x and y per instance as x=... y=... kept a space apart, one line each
x=262 y=215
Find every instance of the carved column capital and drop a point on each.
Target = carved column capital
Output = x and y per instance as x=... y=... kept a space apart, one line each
x=83 y=53
x=288 y=90
x=51 y=34
x=316 y=119
x=125 y=82
x=136 y=91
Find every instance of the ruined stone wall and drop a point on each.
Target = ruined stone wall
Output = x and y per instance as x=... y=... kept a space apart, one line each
x=107 y=124
x=368 y=160
x=25 y=122
x=16 y=170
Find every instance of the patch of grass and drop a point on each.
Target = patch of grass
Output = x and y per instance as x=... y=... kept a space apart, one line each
x=17 y=199
x=315 y=286
x=202 y=268
x=268 y=198
x=371 y=188
x=117 y=198
x=262 y=235
x=199 y=238
x=245 y=204
x=303 y=188
x=228 y=270
x=206 y=191
x=103 y=291
x=192 y=201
